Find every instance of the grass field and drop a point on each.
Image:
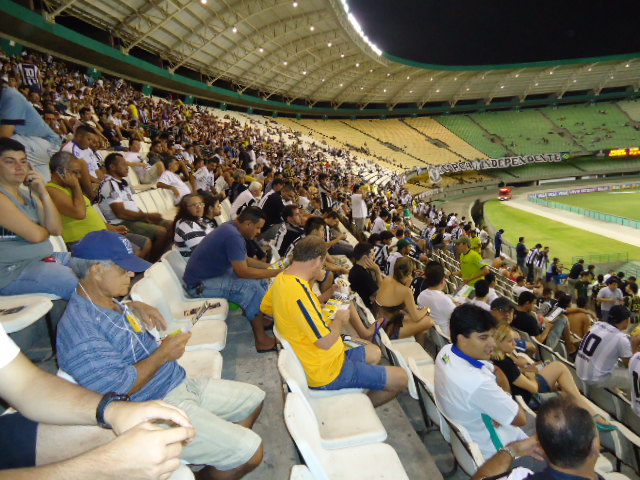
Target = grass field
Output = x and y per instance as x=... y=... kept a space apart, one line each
x=623 y=203
x=563 y=240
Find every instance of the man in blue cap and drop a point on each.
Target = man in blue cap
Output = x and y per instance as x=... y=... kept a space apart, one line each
x=105 y=346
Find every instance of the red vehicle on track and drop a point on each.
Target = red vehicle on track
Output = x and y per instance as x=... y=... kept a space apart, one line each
x=505 y=193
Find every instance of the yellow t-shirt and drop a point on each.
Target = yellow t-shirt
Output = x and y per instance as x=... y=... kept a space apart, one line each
x=476 y=244
x=471 y=264
x=298 y=316
x=75 y=230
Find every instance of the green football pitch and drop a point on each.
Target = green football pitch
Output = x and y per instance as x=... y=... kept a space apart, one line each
x=623 y=203
x=564 y=241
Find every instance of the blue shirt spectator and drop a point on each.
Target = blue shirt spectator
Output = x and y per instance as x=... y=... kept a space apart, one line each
x=98 y=347
x=215 y=253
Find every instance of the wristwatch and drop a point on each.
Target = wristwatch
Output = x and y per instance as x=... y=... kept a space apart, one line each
x=105 y=402
x=506 y=448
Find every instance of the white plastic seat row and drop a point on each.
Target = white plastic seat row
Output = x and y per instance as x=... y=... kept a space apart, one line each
x=343 y=419
x=364 y=462
x=35 y=307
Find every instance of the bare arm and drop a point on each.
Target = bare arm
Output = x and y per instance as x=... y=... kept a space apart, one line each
x=243 y=270
x=15 y=220
x=124 y=214
x=171 y=349
x=7 y=130
x=70 y=206
x=327 y=341
x=502 y=461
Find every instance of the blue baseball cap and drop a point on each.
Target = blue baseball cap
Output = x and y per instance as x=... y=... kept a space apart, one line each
x=106 y=245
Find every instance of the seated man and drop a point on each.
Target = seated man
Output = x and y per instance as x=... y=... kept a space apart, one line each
x=80 y=147
x=220 y=267
x=117 y=206
x=102 y=344
x=433 y=296
x=525 y=319
x=316 y=340
x=568 y=437
x=52 y=406
x=78 y=216
x=365 y=275
x=290 y=230
x=251 y=196
x=146 y=172
x=465 y=383
x=603 y=346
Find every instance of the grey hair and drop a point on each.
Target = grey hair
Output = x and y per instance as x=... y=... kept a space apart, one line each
x=255 y=187
x=81 y=266
x=60 y=159
x=239 y=173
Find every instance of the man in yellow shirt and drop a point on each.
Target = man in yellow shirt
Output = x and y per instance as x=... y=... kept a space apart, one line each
x=472 y=266
x=316 y=340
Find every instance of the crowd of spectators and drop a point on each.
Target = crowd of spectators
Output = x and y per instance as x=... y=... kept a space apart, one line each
x=282 y=257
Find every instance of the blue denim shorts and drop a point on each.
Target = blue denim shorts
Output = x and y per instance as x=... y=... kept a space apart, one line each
x=357 y=373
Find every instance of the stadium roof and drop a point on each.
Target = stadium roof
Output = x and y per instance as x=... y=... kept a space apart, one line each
x=314 y=51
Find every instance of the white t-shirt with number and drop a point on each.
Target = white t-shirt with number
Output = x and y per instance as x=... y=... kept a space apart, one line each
x=8 y=349
x=634 y=374
x=600 y=350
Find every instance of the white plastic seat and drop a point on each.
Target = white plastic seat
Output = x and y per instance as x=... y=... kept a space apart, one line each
x=466 y=452
x=171 y=287
x=343 y=419
x=182 y=473
x=300 y=472
x=364 y=462
x=313 y=393
x=400 y=351
x=202 y=363
x=36 y=307
x=225 y=208
x=206 y=334
x=177 y=263
x=424 y=376
x=58 y=243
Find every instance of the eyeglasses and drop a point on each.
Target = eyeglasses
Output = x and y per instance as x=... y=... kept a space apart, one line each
x=201 y=204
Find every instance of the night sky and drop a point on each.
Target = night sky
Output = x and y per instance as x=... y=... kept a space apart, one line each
x=464 y=32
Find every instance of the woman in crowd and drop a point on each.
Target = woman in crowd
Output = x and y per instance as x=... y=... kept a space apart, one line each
x=529 y=380
x=396 y=304
x=29 y=217
x=189 y=227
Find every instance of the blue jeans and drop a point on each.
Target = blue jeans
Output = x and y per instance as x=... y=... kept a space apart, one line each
x=357 y=373
x=45 y=277
x=246 y=292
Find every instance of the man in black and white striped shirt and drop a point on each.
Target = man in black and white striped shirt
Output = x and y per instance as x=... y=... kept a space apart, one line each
x=290 y=230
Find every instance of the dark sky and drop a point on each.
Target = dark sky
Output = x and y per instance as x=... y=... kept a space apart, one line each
x=467 y=32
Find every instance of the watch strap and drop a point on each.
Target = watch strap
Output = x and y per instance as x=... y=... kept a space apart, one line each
x=105 y=402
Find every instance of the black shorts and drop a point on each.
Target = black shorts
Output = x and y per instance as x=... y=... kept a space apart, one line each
x=17 y=441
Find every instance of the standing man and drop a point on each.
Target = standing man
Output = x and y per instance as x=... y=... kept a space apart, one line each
x=574 y=275
x=472 y=266
x=465 y=383
x=541 y=265
x=220 y=267
x=359 y=210
x=530 y=262
x=497 y=241
x=609 y=297
x=521 y=255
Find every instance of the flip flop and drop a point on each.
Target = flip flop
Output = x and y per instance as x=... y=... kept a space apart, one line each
x=267 y=350
x=603 y=427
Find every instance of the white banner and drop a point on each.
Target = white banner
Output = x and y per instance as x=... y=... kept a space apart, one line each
x=436 y=171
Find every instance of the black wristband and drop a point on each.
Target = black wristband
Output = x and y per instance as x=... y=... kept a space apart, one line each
x=104 y=403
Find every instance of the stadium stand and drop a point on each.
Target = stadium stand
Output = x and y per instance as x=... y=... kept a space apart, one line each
x=377 y=153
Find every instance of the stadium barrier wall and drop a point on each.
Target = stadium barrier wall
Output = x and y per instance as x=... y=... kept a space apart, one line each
x=541 y=199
